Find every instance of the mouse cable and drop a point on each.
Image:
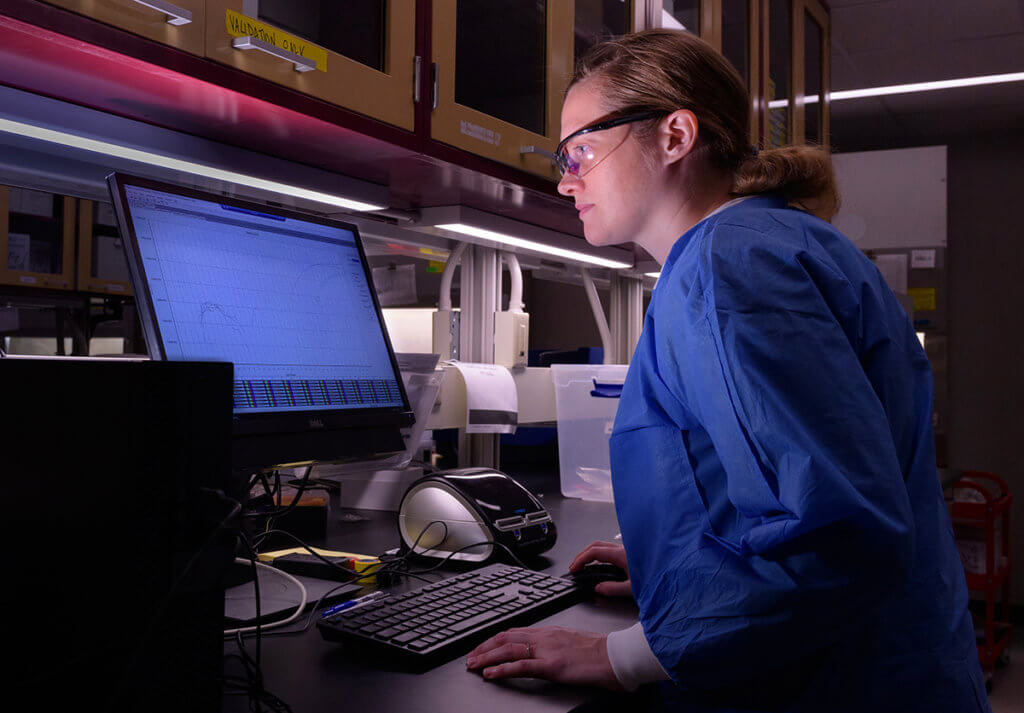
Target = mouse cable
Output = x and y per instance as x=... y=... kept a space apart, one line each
x=475 y=544
x=274 y=624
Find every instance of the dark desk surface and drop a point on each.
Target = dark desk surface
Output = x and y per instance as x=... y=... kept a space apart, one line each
x=313 y=675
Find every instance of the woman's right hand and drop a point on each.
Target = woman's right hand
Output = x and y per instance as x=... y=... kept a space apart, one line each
x=611 y=553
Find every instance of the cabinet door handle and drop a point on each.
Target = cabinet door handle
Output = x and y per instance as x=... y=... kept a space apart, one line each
x=538 y=150
x=434 y=100
x=249 y=42
x=175 y=15
x=416 y=67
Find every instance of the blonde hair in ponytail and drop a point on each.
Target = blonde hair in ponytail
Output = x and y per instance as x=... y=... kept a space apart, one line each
x=668 y=70
x=801 y=173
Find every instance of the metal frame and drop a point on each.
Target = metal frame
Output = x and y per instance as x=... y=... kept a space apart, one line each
x=626 y=318
x=480 y=298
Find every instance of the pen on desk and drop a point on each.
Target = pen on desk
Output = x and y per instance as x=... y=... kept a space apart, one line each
x=359 y=601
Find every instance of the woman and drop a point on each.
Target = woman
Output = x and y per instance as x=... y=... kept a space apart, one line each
x=772 y=459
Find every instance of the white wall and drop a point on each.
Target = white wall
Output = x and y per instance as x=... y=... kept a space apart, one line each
x=893 y=199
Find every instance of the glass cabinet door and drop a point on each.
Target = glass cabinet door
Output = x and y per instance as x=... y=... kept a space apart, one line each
x=812 y=77
x=357 y=54
x=684 y=15
x=740 y=47
x=597 y=20
x=779 y=94
x=501 y=68
x=102 y=263
x=37 y=236
x=179 y=23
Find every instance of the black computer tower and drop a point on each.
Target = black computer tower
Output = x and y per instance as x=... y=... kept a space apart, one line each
x=118 y=526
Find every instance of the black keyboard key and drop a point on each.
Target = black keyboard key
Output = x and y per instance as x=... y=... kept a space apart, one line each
x=473 y=621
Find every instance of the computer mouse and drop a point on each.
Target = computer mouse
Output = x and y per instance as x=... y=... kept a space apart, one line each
x=590 y=575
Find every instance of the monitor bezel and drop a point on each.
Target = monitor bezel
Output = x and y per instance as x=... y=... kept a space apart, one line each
x=259 y=422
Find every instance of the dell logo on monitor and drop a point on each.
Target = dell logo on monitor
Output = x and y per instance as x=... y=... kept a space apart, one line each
x=316 y=423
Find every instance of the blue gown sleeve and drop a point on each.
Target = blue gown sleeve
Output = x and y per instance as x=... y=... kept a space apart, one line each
x=766 y=351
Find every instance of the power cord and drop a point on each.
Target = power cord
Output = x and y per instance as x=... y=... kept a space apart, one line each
x=272 y=625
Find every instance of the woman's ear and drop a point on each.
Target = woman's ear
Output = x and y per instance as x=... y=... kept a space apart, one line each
x=677 y=135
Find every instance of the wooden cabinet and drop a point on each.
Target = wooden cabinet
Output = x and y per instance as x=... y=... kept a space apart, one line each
x=500 y=72
x=359 y=56
x=780 y=48
x=178 y=23
x=102 y=264
x=501 y=69
x=37 y=233
x=797 y=83
x=811 y=82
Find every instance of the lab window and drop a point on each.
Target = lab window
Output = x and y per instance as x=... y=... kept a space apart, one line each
x=179 y=23
x=500 y=71
x=356 y=54
x=102 y=263
x=37 y=237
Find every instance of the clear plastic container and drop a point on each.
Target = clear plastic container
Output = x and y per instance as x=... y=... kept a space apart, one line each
x=586 y=400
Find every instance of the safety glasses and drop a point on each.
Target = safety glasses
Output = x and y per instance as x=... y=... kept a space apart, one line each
x=579 y=157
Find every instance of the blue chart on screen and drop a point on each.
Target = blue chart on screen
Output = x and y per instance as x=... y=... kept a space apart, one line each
x=285 y=300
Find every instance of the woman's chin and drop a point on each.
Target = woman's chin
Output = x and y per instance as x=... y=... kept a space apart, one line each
x=598 y=236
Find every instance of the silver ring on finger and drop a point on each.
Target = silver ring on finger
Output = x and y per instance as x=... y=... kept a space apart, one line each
x=529 y=650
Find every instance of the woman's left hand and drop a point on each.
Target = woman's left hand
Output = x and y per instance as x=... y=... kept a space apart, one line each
x=553 y=652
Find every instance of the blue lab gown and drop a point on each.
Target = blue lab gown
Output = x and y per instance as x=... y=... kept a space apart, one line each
x=774 y=476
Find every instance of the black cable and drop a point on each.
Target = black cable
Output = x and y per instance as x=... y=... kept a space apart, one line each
x=281 y=510
x=475 y=544
x=256 y=587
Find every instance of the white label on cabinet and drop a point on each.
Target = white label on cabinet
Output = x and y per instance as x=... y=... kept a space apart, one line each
x=479 y=132
x=922 y=259
x=29 y=202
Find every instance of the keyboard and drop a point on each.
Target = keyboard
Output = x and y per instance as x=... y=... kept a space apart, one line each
x=437 y=622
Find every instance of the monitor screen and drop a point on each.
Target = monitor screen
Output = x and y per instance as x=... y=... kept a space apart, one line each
x=286 y=297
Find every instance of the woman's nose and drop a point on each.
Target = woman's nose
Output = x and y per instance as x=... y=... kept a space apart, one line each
x=568 y=184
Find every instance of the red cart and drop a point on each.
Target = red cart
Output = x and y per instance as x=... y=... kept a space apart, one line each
x=981 y=521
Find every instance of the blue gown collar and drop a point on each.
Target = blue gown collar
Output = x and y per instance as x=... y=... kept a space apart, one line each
x=765 y=201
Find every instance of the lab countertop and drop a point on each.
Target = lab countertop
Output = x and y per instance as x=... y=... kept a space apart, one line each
x=313 y=675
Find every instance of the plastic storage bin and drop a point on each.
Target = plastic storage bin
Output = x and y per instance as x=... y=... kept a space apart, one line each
x=586 y=400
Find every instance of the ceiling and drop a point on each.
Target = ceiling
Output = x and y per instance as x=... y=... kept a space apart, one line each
x=886 y=42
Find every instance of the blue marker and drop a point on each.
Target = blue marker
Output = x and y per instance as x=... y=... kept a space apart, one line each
x=359 y=601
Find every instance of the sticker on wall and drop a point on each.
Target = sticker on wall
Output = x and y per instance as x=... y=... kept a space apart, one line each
x=922 y=259
x=924 y=298
x=241 y=26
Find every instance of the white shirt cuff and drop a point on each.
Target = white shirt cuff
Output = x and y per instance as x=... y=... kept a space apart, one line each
x=632 y=660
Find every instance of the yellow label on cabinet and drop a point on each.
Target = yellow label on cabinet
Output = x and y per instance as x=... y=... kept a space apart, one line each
x=240 y=25
x=924 y=298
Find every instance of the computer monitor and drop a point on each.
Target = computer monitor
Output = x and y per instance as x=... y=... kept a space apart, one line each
x=287 y=298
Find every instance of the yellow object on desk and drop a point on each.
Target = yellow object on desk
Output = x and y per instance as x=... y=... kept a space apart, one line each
x=367 y=564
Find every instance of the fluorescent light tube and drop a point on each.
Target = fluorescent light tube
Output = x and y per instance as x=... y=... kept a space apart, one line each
x=531 y=245
x=909 y=88
x=655 y=275
x=109 y=149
